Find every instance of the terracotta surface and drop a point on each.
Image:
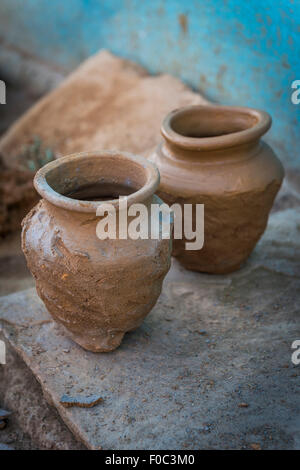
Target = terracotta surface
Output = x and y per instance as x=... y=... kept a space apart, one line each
x=214 y=156
x=97 y=289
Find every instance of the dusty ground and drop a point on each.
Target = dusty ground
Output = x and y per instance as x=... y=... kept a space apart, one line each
x=34 y=424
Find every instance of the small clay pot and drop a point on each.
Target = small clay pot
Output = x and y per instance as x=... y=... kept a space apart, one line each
x=213 y=155
x=97 y=289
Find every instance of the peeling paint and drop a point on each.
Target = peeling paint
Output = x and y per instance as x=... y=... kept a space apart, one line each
x=183 y=21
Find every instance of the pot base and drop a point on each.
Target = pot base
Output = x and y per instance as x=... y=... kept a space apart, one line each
x=105 y=341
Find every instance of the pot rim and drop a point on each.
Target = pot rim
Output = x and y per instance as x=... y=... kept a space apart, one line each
x=47 y=192
x=263 y=124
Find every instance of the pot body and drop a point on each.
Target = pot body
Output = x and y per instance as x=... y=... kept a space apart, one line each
x=97 y=289
x=237 y=186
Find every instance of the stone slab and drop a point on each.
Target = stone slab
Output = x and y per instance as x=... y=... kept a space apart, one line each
x=106 y=103
x=33 y=424
x=210 y=344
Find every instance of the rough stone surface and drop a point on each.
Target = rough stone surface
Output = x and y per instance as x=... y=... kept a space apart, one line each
x=211 y=344
x=33 y=424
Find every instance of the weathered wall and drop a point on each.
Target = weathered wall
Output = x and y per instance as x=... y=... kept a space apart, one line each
x=244 y=53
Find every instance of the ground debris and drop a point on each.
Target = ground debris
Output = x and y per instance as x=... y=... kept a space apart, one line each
x=5 y=447
x=3 y=418
x=81 y=401
x=4 y=414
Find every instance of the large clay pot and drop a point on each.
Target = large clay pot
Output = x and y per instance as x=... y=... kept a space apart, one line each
x=97 y=289
x=213 y=155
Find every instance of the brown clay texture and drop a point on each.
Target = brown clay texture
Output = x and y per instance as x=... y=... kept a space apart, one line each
x=214 y=156
x=97 y=289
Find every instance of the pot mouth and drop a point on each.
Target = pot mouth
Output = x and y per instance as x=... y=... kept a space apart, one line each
x=211 y=127
x=82 y=182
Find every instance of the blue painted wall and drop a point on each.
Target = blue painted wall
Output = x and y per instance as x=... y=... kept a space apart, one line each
x=236 y=52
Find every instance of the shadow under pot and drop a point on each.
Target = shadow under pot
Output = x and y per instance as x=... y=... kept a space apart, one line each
x=213 y=155
x=98 y=289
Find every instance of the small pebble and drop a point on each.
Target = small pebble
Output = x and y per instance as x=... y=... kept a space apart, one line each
x=255 y=446
x=4 y=414
x=81 y=401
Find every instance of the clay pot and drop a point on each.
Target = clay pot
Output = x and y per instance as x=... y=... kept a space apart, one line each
x=97 y=289
x=213 y=155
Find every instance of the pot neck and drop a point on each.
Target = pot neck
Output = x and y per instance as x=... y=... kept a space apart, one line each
x=228 y=154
